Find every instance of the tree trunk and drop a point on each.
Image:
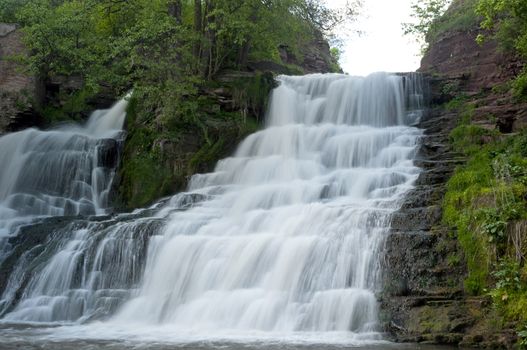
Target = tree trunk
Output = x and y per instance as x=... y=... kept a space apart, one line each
x=198 y=28
x=210 y=39
x=174 y=10
x=243 y=54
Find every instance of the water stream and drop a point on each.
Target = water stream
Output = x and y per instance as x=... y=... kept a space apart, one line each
x=64 y=171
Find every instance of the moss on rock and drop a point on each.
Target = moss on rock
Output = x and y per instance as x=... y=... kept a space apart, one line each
x=161 y=155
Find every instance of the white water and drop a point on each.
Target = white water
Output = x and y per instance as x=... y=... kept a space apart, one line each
x=57 y=172
x=289 y=239
x=284 y=243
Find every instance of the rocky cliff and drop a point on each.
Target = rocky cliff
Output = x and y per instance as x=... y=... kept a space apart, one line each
x=425 y=298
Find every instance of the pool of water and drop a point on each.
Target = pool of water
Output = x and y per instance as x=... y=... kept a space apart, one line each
x=94 y=338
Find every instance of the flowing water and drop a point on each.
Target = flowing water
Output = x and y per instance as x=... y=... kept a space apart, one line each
x=58 y=172
x=281 y=244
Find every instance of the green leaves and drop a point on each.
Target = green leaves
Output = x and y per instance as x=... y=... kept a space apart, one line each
x=425 y=15
x=431 y=19
x=508 y=18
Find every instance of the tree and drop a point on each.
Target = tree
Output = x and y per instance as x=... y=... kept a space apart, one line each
x=163 y=49
x=425 y=14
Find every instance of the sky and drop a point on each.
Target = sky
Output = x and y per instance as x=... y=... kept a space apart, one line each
x=382 y=46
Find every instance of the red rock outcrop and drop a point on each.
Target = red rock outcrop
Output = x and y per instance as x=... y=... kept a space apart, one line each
x=482 y=73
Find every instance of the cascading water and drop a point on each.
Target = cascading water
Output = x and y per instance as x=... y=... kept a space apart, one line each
x=289 y=237
x=65 y=171
x=282 y=238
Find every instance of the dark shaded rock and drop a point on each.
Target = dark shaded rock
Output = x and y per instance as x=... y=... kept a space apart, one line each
x=20 y=94
x=412 y=219
x=316 y=56
x=108 y=150
x=29 y=240
x=505 y=124
x=269 y=66
x=422 y=300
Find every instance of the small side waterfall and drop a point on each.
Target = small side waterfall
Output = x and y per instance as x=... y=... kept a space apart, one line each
x=65 y=171
x=282 y=238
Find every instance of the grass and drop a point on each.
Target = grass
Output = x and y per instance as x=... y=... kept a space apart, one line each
x=485 y=197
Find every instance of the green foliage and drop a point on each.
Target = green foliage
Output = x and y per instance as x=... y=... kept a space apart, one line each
x=164 y=56
x=335 y=59
x=461 y=16
x=335 y=53
x=9 y=9
x=75 y=104
x=507 y=276
x=509 y=294
x=507 y=19
x=431 y=19
x=208 y=154
x=143 y=175
x=455 y=103
x=453 y=260
x=519 y=85
x=158 y=158
x=252 y=94
x=425 y=14
x=484 y=199
x=522 y=334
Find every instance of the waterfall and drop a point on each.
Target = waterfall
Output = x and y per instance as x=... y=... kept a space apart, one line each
x=283 y=237
x=64 y=171
x=288 y=239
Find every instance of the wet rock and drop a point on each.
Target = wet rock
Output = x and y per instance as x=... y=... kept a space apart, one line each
x=26 y=253
x=422 y=273
x=108 y=150
x=412 y=219
x=28 y=243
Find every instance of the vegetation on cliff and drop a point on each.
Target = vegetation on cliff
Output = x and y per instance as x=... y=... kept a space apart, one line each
x=501 y=20
x=485 y=205
x=508 y=20
x=431 y=18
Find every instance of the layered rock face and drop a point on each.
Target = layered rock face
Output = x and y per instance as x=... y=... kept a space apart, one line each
x=316 y=56
x=479 y=72
x=20 y=93
x=424 y=298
